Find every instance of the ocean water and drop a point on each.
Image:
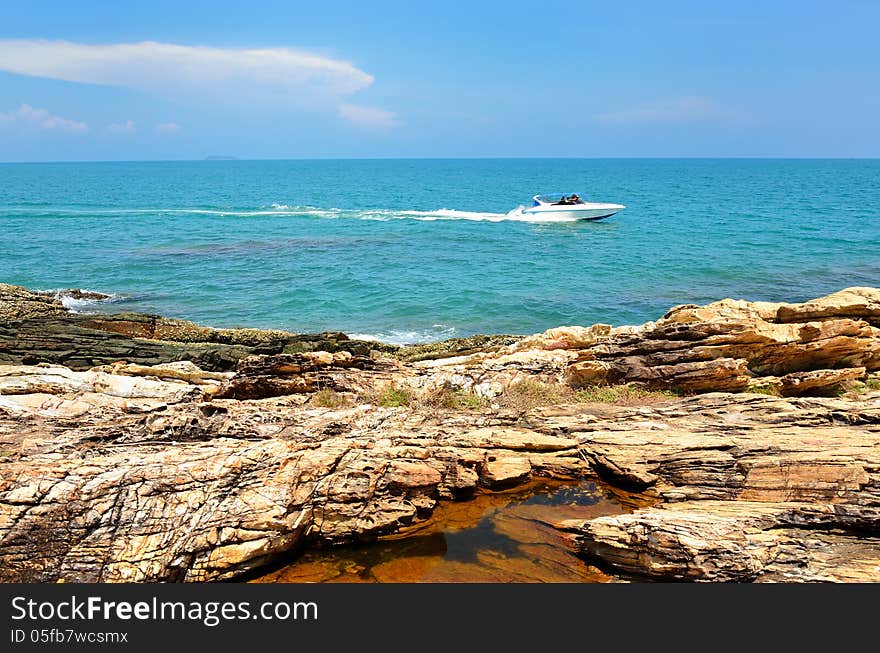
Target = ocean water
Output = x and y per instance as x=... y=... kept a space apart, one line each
x=418 y=250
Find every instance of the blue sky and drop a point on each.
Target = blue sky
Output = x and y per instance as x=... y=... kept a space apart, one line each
x=109 y=80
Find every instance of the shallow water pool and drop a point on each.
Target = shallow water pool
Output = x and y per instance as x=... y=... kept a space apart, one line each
x=498 y=537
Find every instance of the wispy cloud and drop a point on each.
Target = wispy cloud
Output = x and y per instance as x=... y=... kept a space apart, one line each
x=678 y=110
x=372 y=117
x=167 y=128
x=28 y=116
x=127 y=127
x=188 y=72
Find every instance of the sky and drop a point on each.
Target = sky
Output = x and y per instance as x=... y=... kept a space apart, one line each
x=109 y=80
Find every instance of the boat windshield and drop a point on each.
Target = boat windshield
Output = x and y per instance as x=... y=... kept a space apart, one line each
x=559 y=198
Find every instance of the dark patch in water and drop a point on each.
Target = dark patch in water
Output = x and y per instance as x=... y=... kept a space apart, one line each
x=254 y=246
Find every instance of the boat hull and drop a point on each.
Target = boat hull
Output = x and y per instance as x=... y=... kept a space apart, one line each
x=590 y=211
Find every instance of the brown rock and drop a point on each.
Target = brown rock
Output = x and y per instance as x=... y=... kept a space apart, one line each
x=851 y=302
x=207 y=491
x=18 y=303
x=734 y=541
x=724 y=346
x=259 y=377
x=587 y=373
x=817 y=381
x=131 y=471
x=504 y=471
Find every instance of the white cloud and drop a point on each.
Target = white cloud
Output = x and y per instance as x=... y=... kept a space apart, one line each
x=184 y=72
x=28 y=116
x=678 y=110
x=127 y=127
x=373 y=117
x=167 y=128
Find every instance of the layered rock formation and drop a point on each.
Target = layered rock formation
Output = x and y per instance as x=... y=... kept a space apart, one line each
x=37 y=328
x=751 y=488
x=110 y=490
x=123 y=464
x=789 y=349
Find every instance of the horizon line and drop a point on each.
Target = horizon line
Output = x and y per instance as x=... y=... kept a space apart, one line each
x=234 y=159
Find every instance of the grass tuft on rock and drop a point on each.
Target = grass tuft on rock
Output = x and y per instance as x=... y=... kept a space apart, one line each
x=533 y=393
x=451 y=399
x=395 y=397
x=624 y=394
x=768 y=389
x=329 y=398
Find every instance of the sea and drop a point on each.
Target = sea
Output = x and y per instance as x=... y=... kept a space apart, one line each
x=418 y=250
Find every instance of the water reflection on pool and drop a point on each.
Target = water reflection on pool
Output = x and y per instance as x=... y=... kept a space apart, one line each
x=498 y=537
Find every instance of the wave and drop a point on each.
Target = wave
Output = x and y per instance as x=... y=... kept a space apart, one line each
x=408 y=337
x=83 y=304
x=285 y=210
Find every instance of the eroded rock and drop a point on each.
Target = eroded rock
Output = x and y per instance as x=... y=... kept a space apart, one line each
x=149 y=462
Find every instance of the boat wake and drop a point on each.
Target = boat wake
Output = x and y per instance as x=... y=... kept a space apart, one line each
x=285 y=210
x=384 y=215
x=425 y=216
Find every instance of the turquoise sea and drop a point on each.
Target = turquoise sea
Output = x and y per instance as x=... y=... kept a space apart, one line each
x=415 y=250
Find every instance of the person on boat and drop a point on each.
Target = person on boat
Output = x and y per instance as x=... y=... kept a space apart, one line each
x=564 y=200
x=575 y=199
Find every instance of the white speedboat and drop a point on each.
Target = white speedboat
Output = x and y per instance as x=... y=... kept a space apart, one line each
x=569 y=207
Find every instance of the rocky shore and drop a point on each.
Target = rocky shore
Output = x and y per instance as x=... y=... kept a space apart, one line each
x=139 y=448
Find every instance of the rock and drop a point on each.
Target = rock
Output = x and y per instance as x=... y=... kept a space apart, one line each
x=127 y=457
x=740 y=480
x=626 y=475
x=277 y=375
x=180 y=370
x=728 y=346
x=191 y=494
x=722 y=346
x=411 y=475
x=55 y=380
x=587 y=373
x=818 y=381
x=570 y=337
x=687 y=547
x=744 y=334
x=505 y=471
x=37 y=328
x=859 y=303
x=18 y=303
x=737 y=541
x=455 y=347
x=79 y=294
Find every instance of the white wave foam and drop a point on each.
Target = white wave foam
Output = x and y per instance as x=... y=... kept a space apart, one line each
x=84 y=305
x=402 y=337
x=279 y=210
x=275 y=209
x=438 y=214
x=516 y=215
